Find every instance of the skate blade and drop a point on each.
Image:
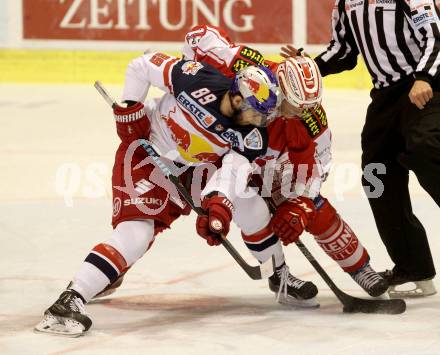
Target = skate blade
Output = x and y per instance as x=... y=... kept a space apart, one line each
x=59 y=326
x=413 y=289
x=298 y=303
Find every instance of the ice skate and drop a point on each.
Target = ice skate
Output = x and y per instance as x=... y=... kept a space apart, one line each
x=291 y=290
x=66 y=316
x=371 y=281
x=404 y=286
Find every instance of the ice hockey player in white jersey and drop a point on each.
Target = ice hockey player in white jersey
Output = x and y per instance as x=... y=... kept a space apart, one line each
x=198 y=120
x=258 y=236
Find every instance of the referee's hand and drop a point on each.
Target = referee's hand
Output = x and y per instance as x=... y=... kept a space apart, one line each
x=420 y=93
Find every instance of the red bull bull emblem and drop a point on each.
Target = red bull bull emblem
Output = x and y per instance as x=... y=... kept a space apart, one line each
x=180 y=135
x=190 y=146
x=259 y=90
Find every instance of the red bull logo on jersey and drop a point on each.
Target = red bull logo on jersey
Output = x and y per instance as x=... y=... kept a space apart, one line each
x=259 y=90
x=191 y=68
x=190 y=146
x=180 y=136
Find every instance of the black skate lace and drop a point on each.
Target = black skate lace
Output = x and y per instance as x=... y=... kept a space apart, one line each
x=286 y=279
x=367 y=277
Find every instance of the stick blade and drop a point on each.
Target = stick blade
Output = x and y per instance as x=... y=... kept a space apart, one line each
x=358 y=305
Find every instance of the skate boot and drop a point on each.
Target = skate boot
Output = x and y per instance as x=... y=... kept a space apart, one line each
x=372 y=283
x=404 y=286
x=66 y=316
x=291 y=290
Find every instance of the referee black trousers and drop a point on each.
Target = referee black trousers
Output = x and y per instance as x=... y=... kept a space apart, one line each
x=401 y=137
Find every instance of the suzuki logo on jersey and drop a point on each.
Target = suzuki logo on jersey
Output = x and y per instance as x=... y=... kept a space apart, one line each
x=192 y=107
x=191 y=68
x=143 y=201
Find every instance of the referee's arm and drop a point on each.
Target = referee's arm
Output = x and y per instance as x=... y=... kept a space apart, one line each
x=342 y=52
x=424 y=18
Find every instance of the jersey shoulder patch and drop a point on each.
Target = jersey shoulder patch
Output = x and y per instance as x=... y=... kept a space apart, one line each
x=158 y=58
x=250 y=141
x=191 y=67
x=253 y=140
x=422 y=14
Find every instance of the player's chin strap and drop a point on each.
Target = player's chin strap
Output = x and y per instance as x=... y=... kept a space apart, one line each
x=262 y=271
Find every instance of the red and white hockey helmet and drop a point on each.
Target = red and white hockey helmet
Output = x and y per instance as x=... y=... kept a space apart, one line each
x=300 y=82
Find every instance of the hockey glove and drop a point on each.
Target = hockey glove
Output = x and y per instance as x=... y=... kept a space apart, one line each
x=217 y=219
x=291 y=218
x=131 y=122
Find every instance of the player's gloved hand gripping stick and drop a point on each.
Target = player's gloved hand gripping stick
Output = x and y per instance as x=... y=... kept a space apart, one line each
x=262 y=271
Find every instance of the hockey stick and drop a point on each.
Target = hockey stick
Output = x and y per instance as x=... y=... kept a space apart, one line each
x=350 y=304
x=263 y=271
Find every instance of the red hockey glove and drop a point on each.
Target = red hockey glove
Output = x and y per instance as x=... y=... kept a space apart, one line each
x=131 y=122
x=291 y=218
x=217 y=219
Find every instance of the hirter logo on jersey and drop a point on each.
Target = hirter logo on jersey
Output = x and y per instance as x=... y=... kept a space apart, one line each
x=191 y=68
x=315 y=120
x=253 y=55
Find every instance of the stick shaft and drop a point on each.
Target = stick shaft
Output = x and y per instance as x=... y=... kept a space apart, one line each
x=105 y=94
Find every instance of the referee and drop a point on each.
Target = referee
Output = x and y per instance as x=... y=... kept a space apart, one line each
x=399 y=41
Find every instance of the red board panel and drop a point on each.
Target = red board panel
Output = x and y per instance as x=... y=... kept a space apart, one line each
x=319 y=16
x=247 y=21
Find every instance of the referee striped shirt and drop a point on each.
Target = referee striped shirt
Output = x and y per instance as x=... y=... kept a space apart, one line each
x=396 y=38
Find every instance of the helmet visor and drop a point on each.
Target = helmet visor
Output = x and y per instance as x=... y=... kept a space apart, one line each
x=249 y=115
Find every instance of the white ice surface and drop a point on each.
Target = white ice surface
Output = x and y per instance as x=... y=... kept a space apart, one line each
x=182 y=297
